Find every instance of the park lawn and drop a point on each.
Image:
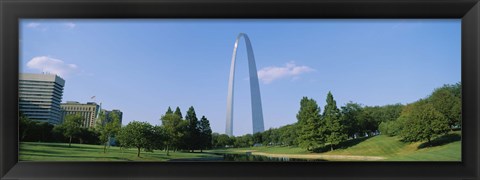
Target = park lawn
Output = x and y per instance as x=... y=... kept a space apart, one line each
x=380 y=145
x=394 y=150
x=448 y=152
x=35 y=151
x=390 y=148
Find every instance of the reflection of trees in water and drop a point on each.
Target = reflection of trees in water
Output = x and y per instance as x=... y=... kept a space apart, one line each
x=244 y=157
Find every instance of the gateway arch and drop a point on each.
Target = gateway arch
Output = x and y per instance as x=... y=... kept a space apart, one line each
x=257 y=114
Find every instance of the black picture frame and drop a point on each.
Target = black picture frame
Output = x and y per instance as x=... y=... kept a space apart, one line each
x=12 y=10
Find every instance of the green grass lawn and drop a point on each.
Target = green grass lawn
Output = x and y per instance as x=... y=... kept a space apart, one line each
x=445 y=148
x=448 y=148
x=33 y=151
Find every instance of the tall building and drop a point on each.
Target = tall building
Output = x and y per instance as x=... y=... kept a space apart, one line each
x=88 y=111
x=257 y=113
x=40 y=96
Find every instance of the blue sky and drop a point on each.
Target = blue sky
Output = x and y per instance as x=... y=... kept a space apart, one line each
x=143 y=66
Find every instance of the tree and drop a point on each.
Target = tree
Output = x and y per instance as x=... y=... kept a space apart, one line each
x=178 y=112
x=448 y=101
x=423 y=123
x=258 y=137
x=221 y=140
x=157 y=138
x=108 y=126
x=100 y=127
x=289 y=134
x=88 y=136
x=368 y=121
x=243 y=141
x=334 y=129
x=193 y=131
x=169 y=111
x=205 y=134
x=136 y=134
x=173 y=128
x=35 y=131
x=392 y=128
x=72 y=126
x=309 y=122
x=25 y=126
x=350 y=118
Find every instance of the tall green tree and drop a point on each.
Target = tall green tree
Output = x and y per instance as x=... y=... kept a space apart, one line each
x=193 y=131
x=178 y=112
x=350 y=117
x=205 y=134
x=448 y=101
x=173 y=129
x=169 y=110
x=108 y=126
x=424 y=122
x=309 y=123
x=157 y=138
x=334 y=129
x=136 y=134
x=72 y=126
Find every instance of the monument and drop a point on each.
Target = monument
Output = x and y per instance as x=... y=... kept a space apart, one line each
x=257 y=114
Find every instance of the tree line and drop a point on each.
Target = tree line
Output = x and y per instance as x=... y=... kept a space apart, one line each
x=422 y=120
x=428 y=118
x=34 y=131
x=175 y=133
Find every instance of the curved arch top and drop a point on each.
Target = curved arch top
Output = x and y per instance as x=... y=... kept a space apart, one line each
x=257 y=113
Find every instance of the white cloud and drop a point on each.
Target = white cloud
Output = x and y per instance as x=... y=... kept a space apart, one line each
x=36 y=25
x=290 y=70
x=70 y=25
x=33 y=25
x=51 y=65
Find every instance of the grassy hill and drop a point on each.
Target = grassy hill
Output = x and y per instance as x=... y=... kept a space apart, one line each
x=445 y=148
x=449 y=149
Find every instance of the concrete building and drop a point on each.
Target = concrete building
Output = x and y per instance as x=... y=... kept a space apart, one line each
x=88 y=111
x=40 y=96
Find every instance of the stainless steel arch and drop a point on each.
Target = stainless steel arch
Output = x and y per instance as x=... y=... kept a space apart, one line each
x=257 y=114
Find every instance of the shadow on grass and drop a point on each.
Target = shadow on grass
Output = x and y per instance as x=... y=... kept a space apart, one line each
x=59 y=150
x=39 y=151
x=60 y=145
x=442 y=140
x=343 y=145
x=52 y=157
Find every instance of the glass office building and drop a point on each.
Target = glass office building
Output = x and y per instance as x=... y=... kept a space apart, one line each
x=40 y=96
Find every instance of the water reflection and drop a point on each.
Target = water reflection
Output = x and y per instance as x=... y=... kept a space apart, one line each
x=258 y=158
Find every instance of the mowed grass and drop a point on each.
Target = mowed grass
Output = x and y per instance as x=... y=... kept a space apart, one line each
x=448 y=148
x=34 y=151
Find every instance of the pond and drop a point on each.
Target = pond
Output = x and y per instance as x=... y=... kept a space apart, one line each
x=259 y=158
